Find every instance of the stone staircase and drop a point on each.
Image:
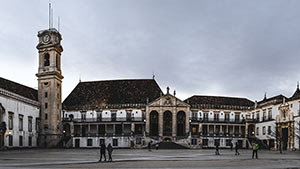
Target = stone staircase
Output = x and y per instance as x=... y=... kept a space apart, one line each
x=169 y=145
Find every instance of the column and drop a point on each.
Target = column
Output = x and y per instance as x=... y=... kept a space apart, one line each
x=233 y=127
x=174 y=123
x=147 y=120
x=132 y=127
x=214 y=129
x=160 y=123
x=89 y=129
x=97 y=128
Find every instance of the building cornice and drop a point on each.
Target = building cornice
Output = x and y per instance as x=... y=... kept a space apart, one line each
x=15 y=96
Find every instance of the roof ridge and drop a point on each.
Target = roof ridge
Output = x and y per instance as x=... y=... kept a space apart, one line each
x=115 y=80
x=220 y=96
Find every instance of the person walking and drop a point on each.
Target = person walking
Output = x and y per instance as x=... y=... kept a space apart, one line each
x=217 y=149
x=231 y=146
x=109 y=151
x=102 y=152
x=149 y=146
x=255 y=148
x=237 y=148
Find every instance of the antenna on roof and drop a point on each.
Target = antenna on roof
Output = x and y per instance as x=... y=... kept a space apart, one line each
x=79 y=78
x=265 y=96
x=58 y=24
x=50 y=16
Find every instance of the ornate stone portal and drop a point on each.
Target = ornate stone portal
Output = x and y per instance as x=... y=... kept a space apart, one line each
x=167 y=118
x=285 y=127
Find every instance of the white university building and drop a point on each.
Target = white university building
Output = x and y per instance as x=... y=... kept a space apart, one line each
x=131 y=113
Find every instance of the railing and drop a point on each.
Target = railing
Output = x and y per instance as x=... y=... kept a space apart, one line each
x=108 y=134
x=132 y=119
x=267 y=119
x=212 y=120
x=222 y=134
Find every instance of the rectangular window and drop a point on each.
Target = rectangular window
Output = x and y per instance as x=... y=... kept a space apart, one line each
x=46 y=116
x=20 y=141
x=270 y=114
x=83 y=115
x=264 y=130
x=46 y=94
x=10 y=140
x=216 y=116
x=226 y=116
x=257 y=130
x=29 y=141
x=205 y=142
x=269 y=130
x=115 y=142
x=46 y=105
x=257 y=116
x=10 y=120
x=21 y=122
x=264 y=115
x=194 y=116
x=89 y=142
x=30 y=124
x=205 y=116
x=237 y=117
x=37 y=124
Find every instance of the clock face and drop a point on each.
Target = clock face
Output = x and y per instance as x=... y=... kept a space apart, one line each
x=46 y=38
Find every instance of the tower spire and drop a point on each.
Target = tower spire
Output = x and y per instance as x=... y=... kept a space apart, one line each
x=265 y=97
x=297 y=85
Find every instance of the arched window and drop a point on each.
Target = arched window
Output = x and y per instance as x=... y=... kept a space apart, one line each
x=47 y=59
x=57 y=62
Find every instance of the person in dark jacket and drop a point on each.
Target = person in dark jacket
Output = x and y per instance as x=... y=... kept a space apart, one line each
x=237 y=148
x=217 y=149
x=102 y=152
x=109 y=151
x=149 y=146
x=231 y=146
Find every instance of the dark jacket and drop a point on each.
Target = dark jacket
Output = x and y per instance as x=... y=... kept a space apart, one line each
x=109 y=148
x=102 y=148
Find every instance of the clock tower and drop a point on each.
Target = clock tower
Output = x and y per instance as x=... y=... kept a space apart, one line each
x=49 y=87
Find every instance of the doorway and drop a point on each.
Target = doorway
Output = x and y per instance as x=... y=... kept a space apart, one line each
x=77 y=143
x=181 y=123
x=285 y=138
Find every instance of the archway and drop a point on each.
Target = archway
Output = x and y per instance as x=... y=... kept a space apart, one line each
x=181 y=123
x=153 y=123
x=167 y=124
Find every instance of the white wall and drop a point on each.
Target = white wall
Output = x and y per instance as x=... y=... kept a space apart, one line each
x=19 y=108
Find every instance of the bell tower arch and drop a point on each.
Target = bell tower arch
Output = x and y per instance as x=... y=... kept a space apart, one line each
x=49 y=87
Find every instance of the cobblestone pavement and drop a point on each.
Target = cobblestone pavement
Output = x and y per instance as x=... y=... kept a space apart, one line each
x=88 y=158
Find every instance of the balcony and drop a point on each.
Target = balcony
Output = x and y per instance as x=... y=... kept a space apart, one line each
x=208 y=120
x=90 y=120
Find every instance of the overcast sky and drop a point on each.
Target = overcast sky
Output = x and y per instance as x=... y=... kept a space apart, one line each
x=213 y=47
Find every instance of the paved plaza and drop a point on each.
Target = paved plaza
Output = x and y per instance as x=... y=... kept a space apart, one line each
x=126 y=158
